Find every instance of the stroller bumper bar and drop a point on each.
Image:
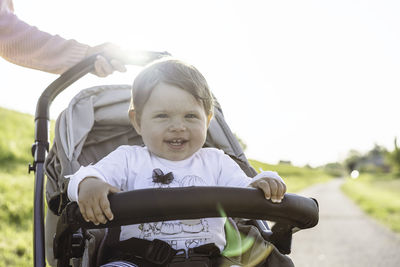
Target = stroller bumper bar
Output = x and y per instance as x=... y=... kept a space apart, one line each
x=161 y=204
x=150 y=205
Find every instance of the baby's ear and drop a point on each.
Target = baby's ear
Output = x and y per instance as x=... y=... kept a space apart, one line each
x=134 y=120
x=209 y=118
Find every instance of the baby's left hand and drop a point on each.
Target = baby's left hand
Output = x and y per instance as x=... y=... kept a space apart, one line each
x=272 y=187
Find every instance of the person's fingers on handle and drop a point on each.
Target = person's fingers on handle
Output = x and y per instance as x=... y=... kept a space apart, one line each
x=282 y=189
x=82 y=209
x=98 y=214
x=274 y=190
x=104 y=48
x=98 y=67
x=105 y=207
x=105 y=203
x=90 y=215
x=106 y=65
x=102 y=67
x=279 y=191
x=117 y=65
x=113 y=189
x=264 y=186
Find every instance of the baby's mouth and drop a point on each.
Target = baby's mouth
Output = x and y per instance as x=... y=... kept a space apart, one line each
x=176 y=142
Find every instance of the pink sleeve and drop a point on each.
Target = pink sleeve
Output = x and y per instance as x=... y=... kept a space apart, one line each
x=27 y=46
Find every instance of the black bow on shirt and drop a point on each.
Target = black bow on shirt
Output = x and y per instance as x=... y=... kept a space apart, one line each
x=160 y=177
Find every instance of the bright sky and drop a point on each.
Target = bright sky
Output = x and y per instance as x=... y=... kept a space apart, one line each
x=304 y=81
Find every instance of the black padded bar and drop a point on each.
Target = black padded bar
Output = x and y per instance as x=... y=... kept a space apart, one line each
x=151 y=205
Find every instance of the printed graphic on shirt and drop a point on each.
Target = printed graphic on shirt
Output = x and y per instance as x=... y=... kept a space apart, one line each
x=181 y=233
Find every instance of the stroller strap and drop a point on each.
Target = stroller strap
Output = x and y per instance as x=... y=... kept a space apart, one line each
x=159 y=253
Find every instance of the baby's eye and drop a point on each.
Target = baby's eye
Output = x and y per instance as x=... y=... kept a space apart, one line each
x=190 y=116
x=161 y=116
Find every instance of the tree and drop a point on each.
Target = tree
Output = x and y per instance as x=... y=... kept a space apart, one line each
x=353 y=160
x=394 y=157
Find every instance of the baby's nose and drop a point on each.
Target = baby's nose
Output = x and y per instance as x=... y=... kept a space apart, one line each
x=177 y=126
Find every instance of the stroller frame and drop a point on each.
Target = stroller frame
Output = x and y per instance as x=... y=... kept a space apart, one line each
x=41 y=147
x=295 y=212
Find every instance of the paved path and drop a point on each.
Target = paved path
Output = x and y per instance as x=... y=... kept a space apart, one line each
x=344 y=236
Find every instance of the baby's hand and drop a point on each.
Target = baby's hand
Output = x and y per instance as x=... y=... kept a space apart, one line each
x=92 y=200
x=272 y=187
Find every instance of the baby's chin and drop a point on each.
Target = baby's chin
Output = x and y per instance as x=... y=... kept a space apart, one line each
x=173 y=156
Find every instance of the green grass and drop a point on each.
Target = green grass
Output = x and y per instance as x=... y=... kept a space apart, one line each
x=296 y=178
x=16 y=209
x=16 y=188
x=16 y=138
x=378 y=196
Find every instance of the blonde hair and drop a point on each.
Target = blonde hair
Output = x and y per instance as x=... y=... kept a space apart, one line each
x=174 y=72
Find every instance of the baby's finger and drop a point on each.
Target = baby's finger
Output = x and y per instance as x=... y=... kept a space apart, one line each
x=90 y=216
x=113 y=189
x=281 y=190
x=105 y=206
x=264 y=186
x=98 y=213
x=83 y=211
x=274 y=190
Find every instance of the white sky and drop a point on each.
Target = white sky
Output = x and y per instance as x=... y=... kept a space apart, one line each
x=304 y=81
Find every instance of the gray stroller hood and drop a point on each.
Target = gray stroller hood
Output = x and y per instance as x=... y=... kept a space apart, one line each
x=96 y=122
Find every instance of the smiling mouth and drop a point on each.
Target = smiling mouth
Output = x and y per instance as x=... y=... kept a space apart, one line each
x=176 y=143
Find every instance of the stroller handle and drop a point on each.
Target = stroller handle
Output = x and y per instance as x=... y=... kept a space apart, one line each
x=161 y=204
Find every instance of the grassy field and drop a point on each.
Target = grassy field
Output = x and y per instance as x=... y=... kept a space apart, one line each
x=296 y=178
x=16 y=189
x=16 y=209
x=16 y=137
x=378 y=196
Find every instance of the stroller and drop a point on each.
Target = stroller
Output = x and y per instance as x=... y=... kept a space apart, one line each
x=85 y=133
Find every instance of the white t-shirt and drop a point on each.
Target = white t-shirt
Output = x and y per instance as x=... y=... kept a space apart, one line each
x=131 y=167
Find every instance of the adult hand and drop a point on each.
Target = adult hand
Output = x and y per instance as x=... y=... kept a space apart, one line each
x=109 y=61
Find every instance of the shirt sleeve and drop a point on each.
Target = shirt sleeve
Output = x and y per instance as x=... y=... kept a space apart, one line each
x=231 y=174
x=112 y=169
x=268 y=174
x=27 y=46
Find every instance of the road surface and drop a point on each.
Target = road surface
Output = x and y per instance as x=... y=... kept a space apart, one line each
x=344 y=236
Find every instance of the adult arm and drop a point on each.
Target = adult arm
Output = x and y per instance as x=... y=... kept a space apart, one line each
x=27 y=46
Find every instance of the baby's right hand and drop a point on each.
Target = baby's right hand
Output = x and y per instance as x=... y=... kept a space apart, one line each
x=93 y=201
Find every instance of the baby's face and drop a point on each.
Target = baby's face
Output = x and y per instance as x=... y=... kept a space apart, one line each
x=173 y=124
